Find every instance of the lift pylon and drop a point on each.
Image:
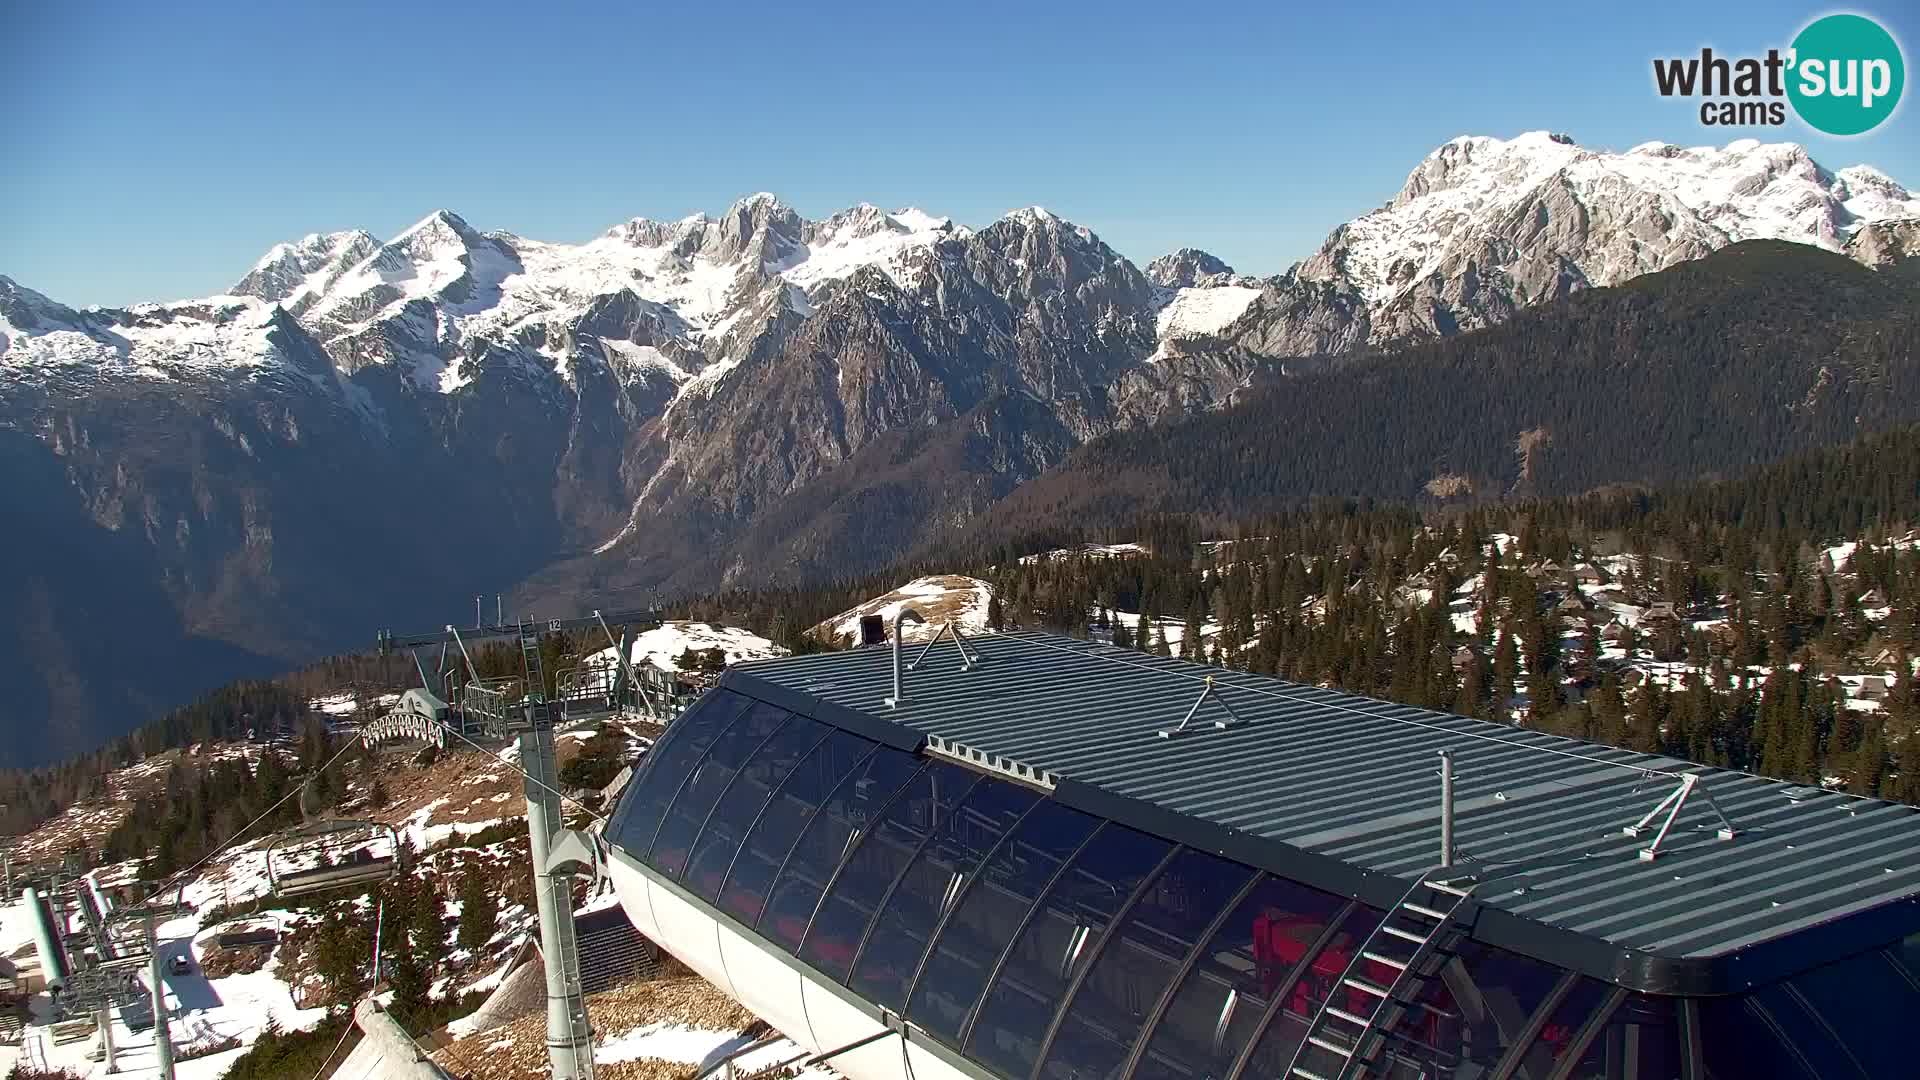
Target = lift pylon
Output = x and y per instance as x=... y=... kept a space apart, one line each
x=520 y=708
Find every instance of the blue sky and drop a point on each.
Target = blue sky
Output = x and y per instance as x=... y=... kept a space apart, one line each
x=157 y=151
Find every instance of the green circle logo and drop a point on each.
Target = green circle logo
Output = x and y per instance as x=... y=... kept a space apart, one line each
x=1847 y=74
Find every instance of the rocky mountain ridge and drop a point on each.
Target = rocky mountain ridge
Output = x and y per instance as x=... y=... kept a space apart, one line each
x=365 y=432
x=1486 y=227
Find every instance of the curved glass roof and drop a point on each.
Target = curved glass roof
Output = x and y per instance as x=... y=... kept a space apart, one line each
x=1036 y=939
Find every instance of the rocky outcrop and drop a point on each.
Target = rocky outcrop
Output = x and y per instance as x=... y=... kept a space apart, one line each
x=1185 y=268
x=1884 y=245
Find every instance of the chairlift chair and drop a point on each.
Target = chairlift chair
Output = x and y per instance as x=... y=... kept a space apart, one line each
x=343 y=864
x=265 y=928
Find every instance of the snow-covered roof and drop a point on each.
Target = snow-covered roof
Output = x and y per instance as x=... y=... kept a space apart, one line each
x=939 y=598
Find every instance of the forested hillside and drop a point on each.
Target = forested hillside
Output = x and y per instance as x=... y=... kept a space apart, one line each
x=1766 y=622
x=1757 y=352
x=1760 y=621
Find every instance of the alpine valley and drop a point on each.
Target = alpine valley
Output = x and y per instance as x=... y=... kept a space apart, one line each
x=365 y=433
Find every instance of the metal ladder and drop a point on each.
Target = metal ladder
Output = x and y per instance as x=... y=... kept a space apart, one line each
x=530 y=660
x=1417 y=932
x=567 y=948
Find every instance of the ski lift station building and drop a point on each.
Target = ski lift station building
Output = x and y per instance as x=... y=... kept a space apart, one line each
x=1054 y=859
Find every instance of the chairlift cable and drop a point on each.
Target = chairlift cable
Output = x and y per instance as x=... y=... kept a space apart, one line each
x=529 y=777
x=342 y=1041
x=244 y=829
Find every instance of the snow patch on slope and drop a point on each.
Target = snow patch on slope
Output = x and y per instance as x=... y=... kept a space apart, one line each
x=864 y=237
x=1202 y=311
x=155 y=340
x=663 y=645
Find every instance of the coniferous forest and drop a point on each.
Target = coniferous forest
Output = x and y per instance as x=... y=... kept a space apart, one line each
x=1709 y=621
x=1743 y=642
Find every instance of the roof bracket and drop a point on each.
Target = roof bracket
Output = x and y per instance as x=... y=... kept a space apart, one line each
x=968 y=657
x=1205 y=693
x=1676 y=799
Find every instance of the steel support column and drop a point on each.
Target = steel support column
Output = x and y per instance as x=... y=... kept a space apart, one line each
x=569 y=1034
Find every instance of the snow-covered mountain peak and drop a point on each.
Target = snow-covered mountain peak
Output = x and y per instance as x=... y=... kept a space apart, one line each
x=440 y=233
x=1185 y=268
x=865 y=219
x=297 y=273
x=759 y=228
x=1030 y=215
x=1570 y=217
x=24 y=310
x=918 y=220
x=865 y=235
x=760 y=200
x=1478 y=166
x=405 y=303
x=1868 y=178
x=1481 y=228
x=1038 y=225
x=216 y=334
x=1871 y=195
x=312 y=249
x=644 y=232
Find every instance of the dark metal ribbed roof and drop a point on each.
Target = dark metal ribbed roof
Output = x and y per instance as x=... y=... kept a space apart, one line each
x=1355 y=780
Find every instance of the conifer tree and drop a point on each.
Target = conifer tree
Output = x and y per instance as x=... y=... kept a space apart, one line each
x=479 y=911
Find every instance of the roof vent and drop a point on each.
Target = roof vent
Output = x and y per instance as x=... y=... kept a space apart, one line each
x=968 y=657
x=1802 y=794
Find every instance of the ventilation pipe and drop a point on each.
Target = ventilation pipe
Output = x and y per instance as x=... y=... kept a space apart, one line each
x=906 y=615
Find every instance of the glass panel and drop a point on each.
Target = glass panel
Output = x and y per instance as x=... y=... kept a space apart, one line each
x=851 y=808
x=898 y=941
x=1557 y=1035
x=1067 y=927
x=1738 y=1043
x=685 y=742
x=1908 y=953
x=708 y=779
x=990 y=913
x=927 y=802
x=1804 y=1031
x=1138 y=963
x=1867 y=1002
x=1217 y=1009
x=793 y=806
x=1288 y=942
x=1468 y=1017
x=734 y=814
x=1641 y=1041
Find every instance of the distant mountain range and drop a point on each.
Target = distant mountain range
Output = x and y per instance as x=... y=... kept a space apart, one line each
x=366 y=433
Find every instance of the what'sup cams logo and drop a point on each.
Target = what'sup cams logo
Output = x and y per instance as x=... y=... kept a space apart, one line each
x=1842 y=75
